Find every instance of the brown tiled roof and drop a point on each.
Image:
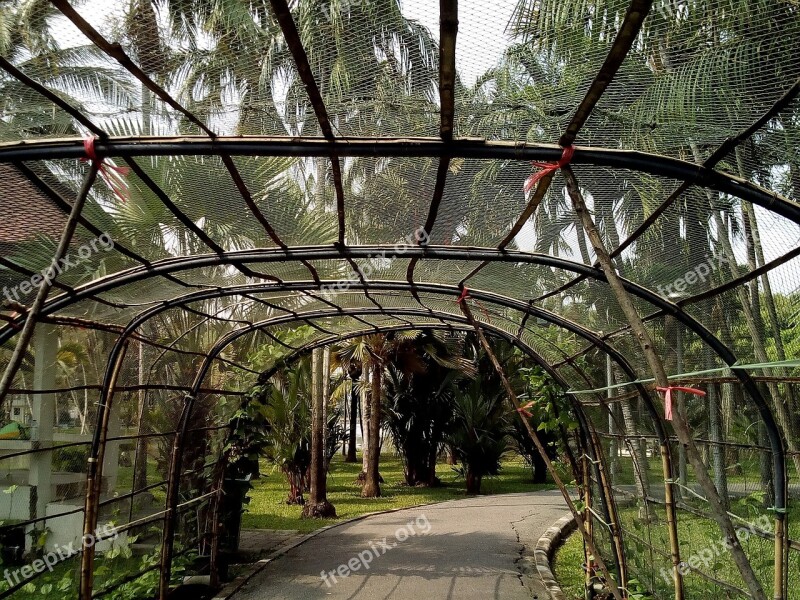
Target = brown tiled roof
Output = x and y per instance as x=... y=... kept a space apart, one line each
x=25 y=212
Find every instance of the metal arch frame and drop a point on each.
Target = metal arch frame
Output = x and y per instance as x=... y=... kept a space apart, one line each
x=679 y=313
x=631 y=160
x=636 y=14
x=586 y=428
x=444 y=253
x=444 y=317
x=114 y=355
x=300 y=253
x=117 y=354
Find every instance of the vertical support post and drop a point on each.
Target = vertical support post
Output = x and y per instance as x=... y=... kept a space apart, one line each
x=611 y=513
x=111 y=452
x=94 y=476
x=588 y=527
x=781 y=577
x=656 y=365
x=680 y=406
x=45 y=345
x=173 y=487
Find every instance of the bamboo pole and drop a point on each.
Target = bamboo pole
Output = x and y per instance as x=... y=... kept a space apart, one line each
x=94 y=479
x=611 y=509
x=657 y=367
x=612 y=584
x=173 y=486
x=588 y=526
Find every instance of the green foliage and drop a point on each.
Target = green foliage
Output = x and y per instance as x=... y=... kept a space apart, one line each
x=419 y=400
x=267 y=356
x=480 y=427
x=282 y=405
x=71 y=459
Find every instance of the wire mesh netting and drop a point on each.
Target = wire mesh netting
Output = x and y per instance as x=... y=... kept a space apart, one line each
x=191 y=191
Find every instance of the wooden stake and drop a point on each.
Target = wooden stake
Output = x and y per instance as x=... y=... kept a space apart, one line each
x=659 y=373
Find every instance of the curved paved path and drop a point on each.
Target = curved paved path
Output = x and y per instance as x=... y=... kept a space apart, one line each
x=475 y=548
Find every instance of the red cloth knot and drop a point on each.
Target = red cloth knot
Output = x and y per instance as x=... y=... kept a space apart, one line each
x=524 y=409
x=110 y=173
x=668 y=397
x=549 y=167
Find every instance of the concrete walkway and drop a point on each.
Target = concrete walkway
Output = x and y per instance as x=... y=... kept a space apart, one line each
x=476 y=548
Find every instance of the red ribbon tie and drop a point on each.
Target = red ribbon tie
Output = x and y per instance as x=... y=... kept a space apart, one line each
x=549 y=167
x=110 y=173
x=668 y=397
x=524 y=409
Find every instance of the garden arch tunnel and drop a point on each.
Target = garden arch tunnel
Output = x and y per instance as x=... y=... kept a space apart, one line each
x=267 y=189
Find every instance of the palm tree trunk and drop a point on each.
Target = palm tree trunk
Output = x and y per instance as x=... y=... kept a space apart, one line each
x=372 y=487
x=317 y=505
x=351 y=439
x=755 y=327
x=326 y=397
x=640 y=471
x=366 y=411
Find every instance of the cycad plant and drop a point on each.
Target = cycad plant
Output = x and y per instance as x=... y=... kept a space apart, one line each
x=287 y=410
x=480 y=430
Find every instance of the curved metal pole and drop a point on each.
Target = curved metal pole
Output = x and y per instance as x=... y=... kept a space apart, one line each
x=449 y=290
x=586 y=433
x=652 y=164
x=668 y=307
x=447 y=253
x=270 y=255
x=462 y=325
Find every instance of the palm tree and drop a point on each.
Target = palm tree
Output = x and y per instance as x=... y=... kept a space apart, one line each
x=318 y=505
x=480 y=429
x=420 y=384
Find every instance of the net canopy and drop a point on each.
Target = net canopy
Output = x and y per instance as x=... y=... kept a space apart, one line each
x=184 y=183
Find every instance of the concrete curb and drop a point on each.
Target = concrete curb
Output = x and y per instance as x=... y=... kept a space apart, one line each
x=545 y=550
x=234 y=586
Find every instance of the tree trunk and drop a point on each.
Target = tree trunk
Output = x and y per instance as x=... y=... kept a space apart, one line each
x=317 y=505
x=539 y=468
x=351 y=433
x=792 y=430
x=366 y=411
x=680 y=427
x=326 y=398
x=372 y=488
x=473 y=482
x=755 y=328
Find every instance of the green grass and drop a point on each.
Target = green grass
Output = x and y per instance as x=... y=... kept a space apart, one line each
x=268 y=508
x=695 y=534
x=567 y=567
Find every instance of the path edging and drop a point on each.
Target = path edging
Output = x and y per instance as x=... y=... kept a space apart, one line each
x=545 y=550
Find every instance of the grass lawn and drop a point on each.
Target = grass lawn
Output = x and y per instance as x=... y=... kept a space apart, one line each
x=567 y=567
x=268 y=508
x=696 y=535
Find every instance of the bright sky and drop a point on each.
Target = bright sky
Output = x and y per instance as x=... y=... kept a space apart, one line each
x=481 y=33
